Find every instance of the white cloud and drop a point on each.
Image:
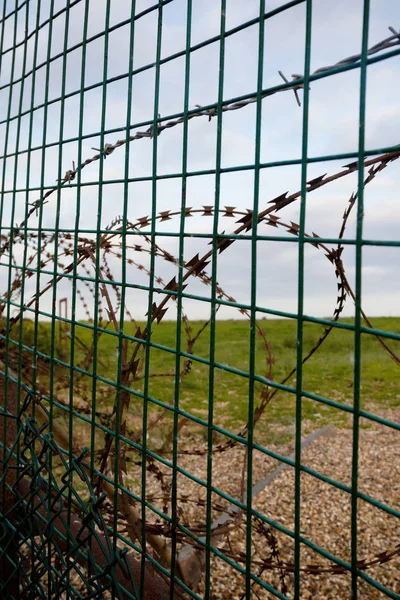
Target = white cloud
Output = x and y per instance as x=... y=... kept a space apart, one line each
x=333 y=128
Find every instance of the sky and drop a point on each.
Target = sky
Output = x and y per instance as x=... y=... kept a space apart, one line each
x=333 y=128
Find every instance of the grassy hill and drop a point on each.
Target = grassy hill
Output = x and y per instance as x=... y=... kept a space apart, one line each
x=329 y=373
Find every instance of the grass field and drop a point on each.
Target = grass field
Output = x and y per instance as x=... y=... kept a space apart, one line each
x=328 y=373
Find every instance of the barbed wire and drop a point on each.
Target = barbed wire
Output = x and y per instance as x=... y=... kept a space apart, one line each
x=196 y=267
x=109 y=148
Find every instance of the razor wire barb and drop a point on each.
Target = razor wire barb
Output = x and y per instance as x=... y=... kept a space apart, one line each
x=210 y=112
x=93 y=522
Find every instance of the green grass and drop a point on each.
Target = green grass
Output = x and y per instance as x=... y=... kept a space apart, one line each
x=328 y=373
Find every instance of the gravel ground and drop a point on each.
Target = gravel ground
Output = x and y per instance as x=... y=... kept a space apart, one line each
x=325 y=514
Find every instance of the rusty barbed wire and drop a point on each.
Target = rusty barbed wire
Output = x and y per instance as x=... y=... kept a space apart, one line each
x=70 y=174
x=36 y=487
x=195 y=267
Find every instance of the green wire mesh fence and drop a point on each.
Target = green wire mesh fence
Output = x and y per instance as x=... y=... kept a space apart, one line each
x=163 y=435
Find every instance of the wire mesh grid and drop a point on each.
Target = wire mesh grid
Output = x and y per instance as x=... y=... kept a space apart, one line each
x=151 y=400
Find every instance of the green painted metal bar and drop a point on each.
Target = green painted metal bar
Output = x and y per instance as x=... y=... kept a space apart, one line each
x=253 y=302
x=3 y=179
x=213 y=306
x=39 y=260
x=300 y=301
x=75 y=232
x=150 y=303
x=357 y=303
x=229 y=236
x=55 y=291
x=179 y=313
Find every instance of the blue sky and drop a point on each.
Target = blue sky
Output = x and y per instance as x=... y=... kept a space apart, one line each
x=333 y=128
